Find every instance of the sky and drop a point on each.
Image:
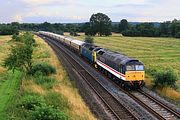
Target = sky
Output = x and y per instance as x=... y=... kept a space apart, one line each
x=77 y=11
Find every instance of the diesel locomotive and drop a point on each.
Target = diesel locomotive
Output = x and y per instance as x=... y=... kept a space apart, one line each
x=127 y=72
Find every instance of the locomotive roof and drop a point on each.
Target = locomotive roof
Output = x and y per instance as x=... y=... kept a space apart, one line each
x=117 y=57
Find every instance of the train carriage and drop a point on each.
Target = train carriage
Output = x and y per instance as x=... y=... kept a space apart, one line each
x=67 y=41
x=76 y=45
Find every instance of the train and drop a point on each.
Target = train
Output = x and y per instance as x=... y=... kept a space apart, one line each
x=127 y=72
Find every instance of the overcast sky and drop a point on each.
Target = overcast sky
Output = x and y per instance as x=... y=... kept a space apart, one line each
x=65 y=11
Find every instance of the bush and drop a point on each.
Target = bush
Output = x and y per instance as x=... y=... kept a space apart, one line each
x=151 y=71
x=73 y=33
x=164 y=78
x=57 y=101
x=47 y=82
x=46 y=112
x=29 y=102
x=89 y=39
x=44 y=68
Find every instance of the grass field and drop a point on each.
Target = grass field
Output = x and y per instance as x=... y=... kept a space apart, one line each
x=153 y=52
x=9 y=82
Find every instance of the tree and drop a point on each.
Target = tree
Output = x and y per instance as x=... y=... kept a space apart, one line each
x=123 y=25
x=8 y=30
x=164 y=28
x=20 y=58
x=100 y=24
x=89 y=39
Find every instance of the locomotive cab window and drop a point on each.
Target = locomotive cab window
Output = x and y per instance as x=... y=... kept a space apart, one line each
x=130 y=67
x=139 y=67
x=134 y=67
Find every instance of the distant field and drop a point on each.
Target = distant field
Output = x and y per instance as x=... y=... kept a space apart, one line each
x=153 y=52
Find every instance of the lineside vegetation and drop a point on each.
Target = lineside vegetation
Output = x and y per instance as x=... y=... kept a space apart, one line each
x=41 y=90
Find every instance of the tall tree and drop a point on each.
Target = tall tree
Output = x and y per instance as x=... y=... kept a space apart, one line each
x=123 y=25
x=100 y=24
x=164 y=28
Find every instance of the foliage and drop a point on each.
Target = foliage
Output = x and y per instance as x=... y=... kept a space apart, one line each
x=8 y=30
x=45 y=81
x=29 y=102
x=177 y=35
x=123 y=25
x=143 y=29
x=46 y=112
x=73 y=33
x=166 y=29
x=164 y=78
x=100 y=24
x=26 y=38
x=44 y=68
x=19 y=58
x=57 y=100
x=40 y=109
x=89 y=39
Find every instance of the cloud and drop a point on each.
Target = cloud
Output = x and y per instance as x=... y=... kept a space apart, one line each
x=17 y=18
x=49 y=2
x=81 y=10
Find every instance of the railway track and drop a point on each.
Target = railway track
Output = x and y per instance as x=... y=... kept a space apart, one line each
x=160 y=110
x=117 y=110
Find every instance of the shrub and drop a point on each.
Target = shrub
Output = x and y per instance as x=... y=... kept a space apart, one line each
x=45 y=81
x=46 y=112
x=57 y=100
x=29 y=102
x=44 y=68
x=151 y=71
x=89 y=39
x=164 y=78
x=73 y=33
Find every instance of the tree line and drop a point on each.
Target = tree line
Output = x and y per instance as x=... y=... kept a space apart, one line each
x=101 y=25
x=165 y=29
